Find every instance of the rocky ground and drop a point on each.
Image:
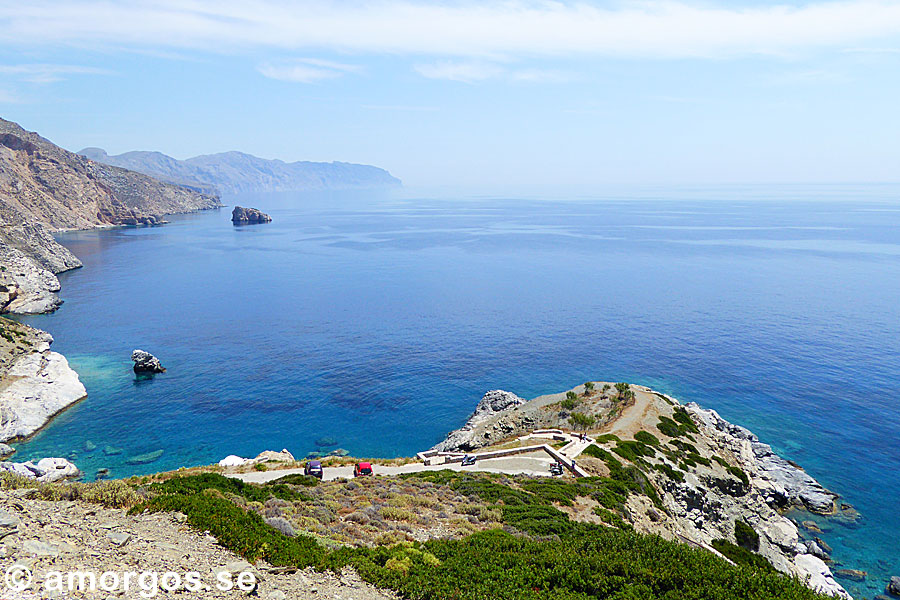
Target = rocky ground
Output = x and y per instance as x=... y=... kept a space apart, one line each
x=72 y=536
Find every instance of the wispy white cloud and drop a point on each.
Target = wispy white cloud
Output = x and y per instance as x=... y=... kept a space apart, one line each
x=48 y=73
x=459 y=28
x=306 y=70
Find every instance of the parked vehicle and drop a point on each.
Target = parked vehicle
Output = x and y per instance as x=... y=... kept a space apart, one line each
x=556 y=468
x=313 y=468
x=468 y=460
x=362 y=469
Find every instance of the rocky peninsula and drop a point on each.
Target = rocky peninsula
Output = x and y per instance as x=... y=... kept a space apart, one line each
x=708 y=473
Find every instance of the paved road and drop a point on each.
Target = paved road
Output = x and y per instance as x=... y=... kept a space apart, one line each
x=536 y=463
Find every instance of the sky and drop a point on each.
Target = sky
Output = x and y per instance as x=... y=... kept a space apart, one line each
x=472 y=93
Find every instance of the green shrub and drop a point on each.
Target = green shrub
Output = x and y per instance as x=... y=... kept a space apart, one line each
x=746 y=536
x=742 y=556
x=571 y=396
x=582 y=421
x=569 y=403
x=647 y=438
x=739 y=473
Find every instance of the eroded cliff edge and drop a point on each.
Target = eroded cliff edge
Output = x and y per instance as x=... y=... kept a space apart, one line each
x=43 y=189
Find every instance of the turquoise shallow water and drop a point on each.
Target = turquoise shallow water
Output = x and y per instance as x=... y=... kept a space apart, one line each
x=380 y=322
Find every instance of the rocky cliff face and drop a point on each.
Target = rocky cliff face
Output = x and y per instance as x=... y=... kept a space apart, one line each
x=44 y=188
x=35 y=382
x=236 y=172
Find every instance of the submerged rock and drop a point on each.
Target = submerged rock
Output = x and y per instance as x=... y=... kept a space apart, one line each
x=144 y=362
x=241 y=215
x=111 y=450
x=851 y=574
x=143 y=459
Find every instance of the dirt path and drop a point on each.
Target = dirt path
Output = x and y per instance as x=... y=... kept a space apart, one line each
x=643 y=414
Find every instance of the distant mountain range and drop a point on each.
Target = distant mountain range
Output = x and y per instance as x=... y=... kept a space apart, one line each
x=236 y=172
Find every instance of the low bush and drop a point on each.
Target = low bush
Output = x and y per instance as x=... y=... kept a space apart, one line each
x=647 y=438
x=746 y=536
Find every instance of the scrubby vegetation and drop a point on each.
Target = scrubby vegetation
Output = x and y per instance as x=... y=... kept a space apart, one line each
x=539 y=554
x=582 y=421
x=543 y=555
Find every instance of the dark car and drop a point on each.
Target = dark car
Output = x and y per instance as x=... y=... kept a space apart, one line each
x=468 y=460
x=362 y=469
x=313 y=468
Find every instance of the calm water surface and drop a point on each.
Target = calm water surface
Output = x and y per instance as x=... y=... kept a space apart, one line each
x=380 y=322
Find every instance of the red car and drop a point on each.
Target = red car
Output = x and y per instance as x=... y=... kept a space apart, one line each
x=362 y=469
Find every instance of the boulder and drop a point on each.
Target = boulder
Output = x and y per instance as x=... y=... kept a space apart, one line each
x=894 y=586
x=232 y=460
x=45 y=470
x=56 y=469
x=6 y=450
x=144 y=362
x=241 y=215
x=272 y=456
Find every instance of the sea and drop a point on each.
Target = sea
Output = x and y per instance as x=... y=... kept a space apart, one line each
x=373 y=322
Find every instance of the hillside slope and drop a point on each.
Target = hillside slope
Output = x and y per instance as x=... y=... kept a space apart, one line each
x=44 y=188
x=236 y=172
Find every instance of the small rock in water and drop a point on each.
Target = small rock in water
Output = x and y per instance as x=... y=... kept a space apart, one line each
x=102 y=473
x=313 y=455
x=89 y=446
x=339 y=452
x=811 y=526
x=111 y=450
x=851 y=574
x=241 y=215
x=144 y=362
x=324 y=442
x=143 y=459
x=823 y=545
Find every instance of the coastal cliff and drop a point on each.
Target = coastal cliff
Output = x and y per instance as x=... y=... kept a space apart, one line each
x=44 y=188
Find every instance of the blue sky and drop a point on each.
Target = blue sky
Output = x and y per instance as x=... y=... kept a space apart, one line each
x=472 y=93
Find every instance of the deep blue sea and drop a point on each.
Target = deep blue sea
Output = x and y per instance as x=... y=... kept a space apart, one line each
x=380 y=321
